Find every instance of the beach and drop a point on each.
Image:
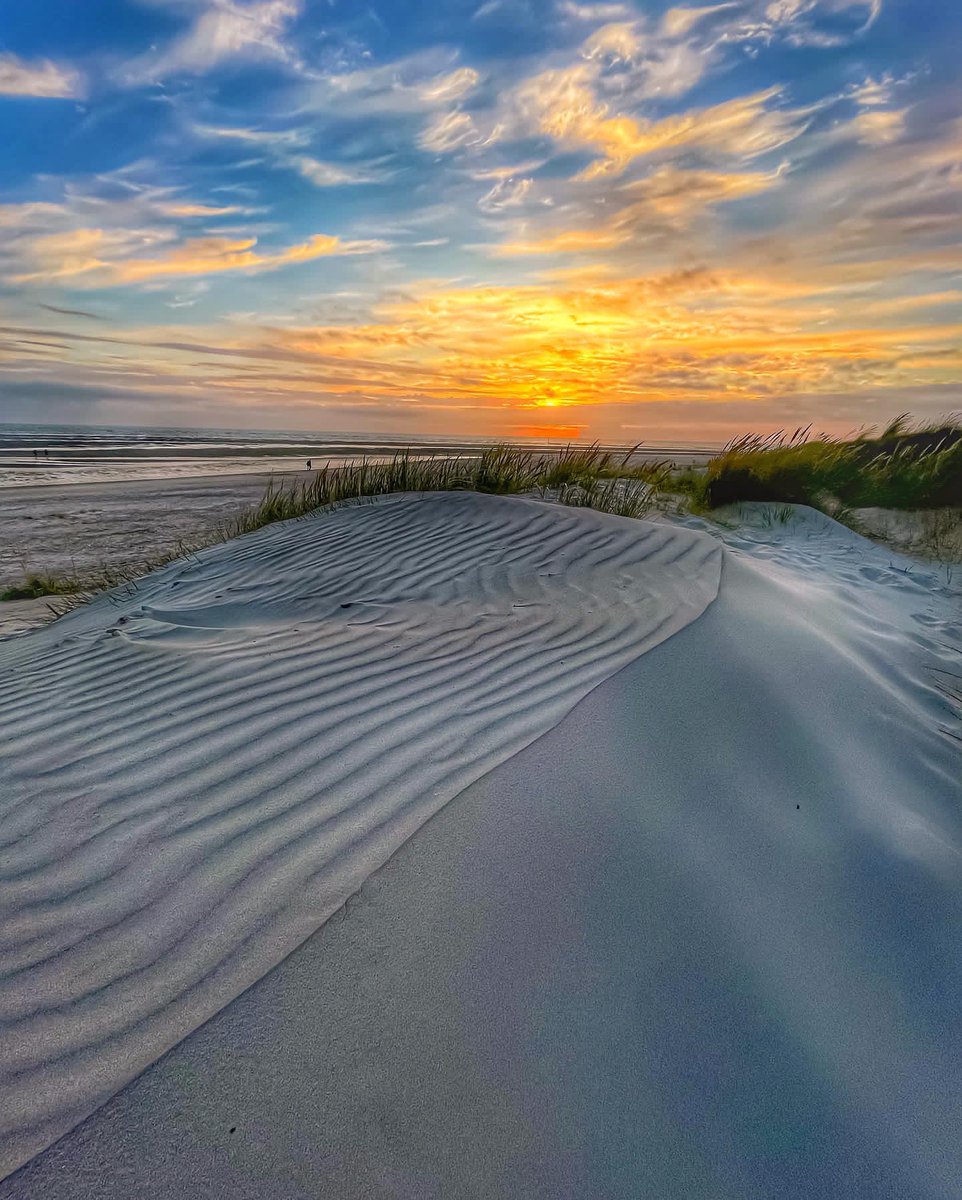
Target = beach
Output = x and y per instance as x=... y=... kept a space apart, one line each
x=75 y=529
x=468 y=845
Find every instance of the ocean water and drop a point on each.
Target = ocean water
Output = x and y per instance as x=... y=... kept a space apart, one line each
x=36 y=455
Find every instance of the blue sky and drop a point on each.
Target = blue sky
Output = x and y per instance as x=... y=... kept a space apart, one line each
x=610 y=220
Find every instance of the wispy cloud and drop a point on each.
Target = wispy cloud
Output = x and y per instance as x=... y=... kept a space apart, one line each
x=285 y=149
x=449 y=131
x=563 y=105
x=222 y=30
x=505 y=194
x=662 y=207
x=90 y=258
x=41 y=78
x=72 y=312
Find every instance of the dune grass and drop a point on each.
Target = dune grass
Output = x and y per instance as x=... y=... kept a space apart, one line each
x=901 y=468
x=583 y=477
x=36 y=586
x=578 y=476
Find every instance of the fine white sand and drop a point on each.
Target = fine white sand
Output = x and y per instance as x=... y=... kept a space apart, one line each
x=701 y=938
x=197 y=773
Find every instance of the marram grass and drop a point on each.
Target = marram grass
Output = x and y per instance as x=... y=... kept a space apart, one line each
x=582 y=477
x=901 y=468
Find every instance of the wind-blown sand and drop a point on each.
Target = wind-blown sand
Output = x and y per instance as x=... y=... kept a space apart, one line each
x=698 y=938
x=200 y=773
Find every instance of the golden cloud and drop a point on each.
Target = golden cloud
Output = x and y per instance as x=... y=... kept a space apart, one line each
x=563 y=105
x=85 y=257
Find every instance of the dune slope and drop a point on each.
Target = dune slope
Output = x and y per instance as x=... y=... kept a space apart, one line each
x=701 y=939
x=198 y=773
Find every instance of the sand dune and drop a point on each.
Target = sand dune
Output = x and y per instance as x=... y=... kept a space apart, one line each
x=701 y=939
x=197 y=774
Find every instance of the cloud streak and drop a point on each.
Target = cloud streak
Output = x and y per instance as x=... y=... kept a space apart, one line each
x=90 y=258
x=41 y=78
x=222 y=31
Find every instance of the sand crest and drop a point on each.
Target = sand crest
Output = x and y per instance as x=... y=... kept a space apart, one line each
x=198 y=773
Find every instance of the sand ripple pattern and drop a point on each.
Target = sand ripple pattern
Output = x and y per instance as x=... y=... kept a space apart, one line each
x=196 y=777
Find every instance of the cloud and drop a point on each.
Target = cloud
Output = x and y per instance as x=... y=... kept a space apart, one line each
x=815 y=23
x=284 y=146
x=614 y=43
x=568 y=241
x=223 y=30
x=595 y=12
x=444 y=88
x=72 y=312
x=586 y=344
x=132 y=214
x=188 y=209
x=634 y=64
x=562 y=105
x=507 y=171
x=44 y=79
x=505 y=193
x=449 y=131
x=92 y=258
x=419 y=83
x=330 y=174
x=877 y=127
x=664 y=205
x=679 y=22
x=257 y=137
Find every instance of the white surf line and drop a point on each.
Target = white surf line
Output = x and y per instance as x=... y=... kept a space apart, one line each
x=197 y=776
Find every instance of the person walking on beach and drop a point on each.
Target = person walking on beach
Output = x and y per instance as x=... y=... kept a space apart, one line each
x=308 y=464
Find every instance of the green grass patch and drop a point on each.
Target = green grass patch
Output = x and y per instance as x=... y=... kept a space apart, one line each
x=36 y=586
x=902 y=468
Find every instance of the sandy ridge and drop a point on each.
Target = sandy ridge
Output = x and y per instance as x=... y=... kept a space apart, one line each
x=199 y=774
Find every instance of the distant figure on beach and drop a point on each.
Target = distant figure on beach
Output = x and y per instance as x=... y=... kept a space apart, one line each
x=46 y=453
x=35 y=454
x=308 y=464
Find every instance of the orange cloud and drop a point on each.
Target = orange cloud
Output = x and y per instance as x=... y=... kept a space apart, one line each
x=562 y=104
x=85 y=255
x=563 y=344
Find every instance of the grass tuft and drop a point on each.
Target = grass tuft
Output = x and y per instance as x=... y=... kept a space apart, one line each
x=903 y=468
x=36 y=586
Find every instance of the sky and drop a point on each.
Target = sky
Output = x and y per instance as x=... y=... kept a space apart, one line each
x=625 y=221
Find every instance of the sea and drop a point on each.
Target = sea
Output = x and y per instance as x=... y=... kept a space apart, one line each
x=44 y=455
